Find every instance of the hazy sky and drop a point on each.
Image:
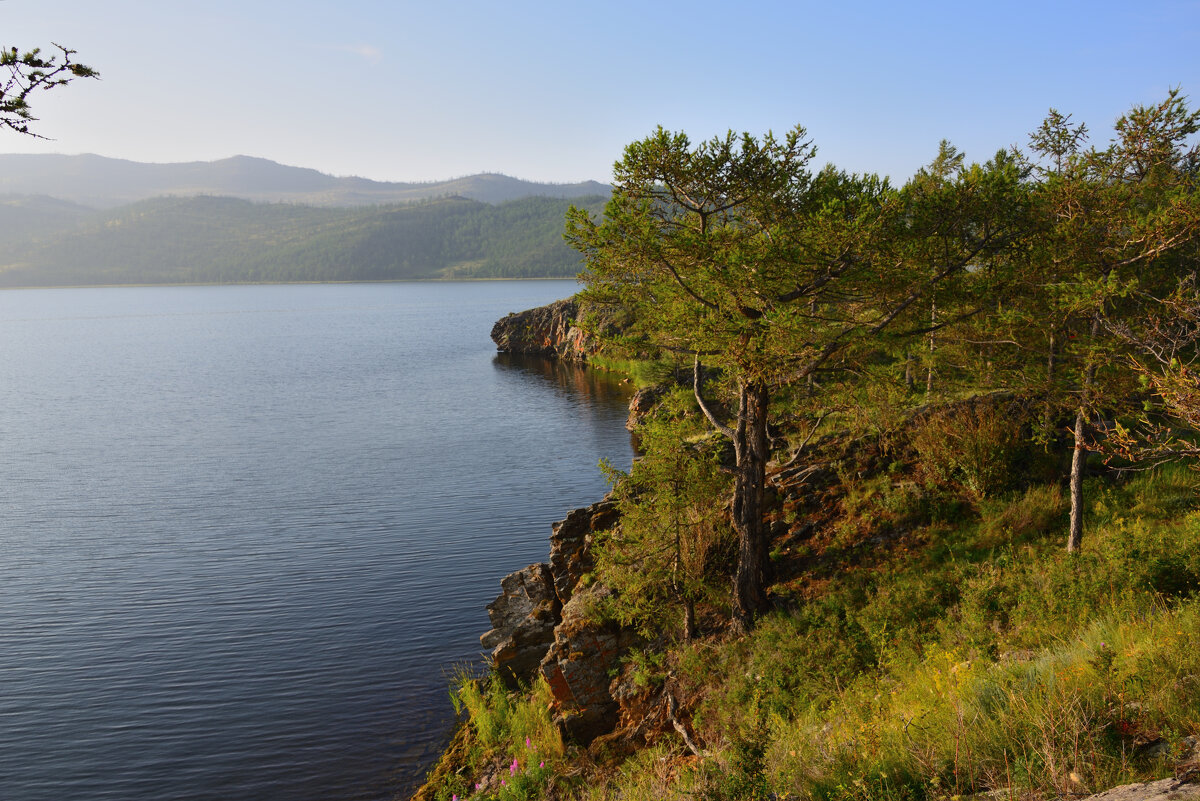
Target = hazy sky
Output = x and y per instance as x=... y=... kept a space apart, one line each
x=552 y=91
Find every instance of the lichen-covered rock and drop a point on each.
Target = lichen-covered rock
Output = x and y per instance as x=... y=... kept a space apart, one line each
x=1161 y=790
x=523 y=620
x=578 y=664
x=545 y=331
x=570 y=541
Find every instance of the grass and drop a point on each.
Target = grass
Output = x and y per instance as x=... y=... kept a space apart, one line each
x=508 y=749
x=1080 y=716
x=971 y=665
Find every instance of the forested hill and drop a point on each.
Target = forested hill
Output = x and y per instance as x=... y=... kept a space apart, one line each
x=228 y=240
x=102 y=182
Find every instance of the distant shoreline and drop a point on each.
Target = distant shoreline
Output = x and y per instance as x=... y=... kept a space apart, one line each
x=283 y=283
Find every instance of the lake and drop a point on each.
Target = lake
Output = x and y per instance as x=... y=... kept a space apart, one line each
x=247 y=534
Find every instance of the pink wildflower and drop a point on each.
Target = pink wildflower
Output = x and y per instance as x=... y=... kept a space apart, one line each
x=542 y=764
x=527 y=743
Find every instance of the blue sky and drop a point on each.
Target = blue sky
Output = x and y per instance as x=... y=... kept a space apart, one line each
x=553 y=91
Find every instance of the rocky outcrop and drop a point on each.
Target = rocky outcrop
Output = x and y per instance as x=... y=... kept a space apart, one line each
x=578 y=665
x=551 y=331
x=540 y=624
x=570 y=544
x=558 y=330
x=523 y=620
x=642 y=403
x=531 y=600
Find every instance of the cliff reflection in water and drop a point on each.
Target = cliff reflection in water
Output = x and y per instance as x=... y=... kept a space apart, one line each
x=596 y=390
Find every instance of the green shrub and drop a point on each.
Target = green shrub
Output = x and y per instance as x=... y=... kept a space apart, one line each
x=674 y=521
x=972 y=446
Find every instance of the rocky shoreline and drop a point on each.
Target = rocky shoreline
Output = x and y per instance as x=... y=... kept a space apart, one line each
x=539 y=621
x=540 y=627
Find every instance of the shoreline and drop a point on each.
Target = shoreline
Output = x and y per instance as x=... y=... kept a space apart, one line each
x=537 y=629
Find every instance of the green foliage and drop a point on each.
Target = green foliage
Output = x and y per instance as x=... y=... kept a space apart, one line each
x=723 y=248
x=648 y=667
x=29 y=72
x=506 y=722
x=744 y=778
x=734 y=251
x=515 y=750
x=672 y=506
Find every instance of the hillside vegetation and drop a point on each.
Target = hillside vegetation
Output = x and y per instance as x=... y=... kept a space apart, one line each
x=924 y=642
x=228 y=240
x=915 y=515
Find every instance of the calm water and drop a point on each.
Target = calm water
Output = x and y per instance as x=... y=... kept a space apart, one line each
x=247 y=532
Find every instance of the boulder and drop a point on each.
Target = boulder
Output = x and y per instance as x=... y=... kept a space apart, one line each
x=523 y=618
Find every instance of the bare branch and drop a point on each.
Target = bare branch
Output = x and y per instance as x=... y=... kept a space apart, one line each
x=712 y=418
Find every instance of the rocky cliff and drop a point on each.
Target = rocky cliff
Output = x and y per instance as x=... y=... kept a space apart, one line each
x=552 y=331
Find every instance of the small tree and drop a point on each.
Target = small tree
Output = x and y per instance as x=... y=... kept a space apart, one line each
x=30 y=72
x=701 y=245
x=962 y=229
x=673 y=517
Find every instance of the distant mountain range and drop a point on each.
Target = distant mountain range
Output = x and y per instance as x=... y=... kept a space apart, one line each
x=102 y=182
x=88 y=220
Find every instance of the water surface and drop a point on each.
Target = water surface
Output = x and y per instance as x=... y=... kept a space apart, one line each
x=246 y=532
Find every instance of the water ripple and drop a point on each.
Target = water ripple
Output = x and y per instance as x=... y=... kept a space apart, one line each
x=248 y=531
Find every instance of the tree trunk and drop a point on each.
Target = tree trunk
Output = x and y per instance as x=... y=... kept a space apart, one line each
x=681 y=593
x=1078 y=459
x=1051 y=359
x=1079 y=455
x=932 y=349
x=1051 y=374
x=751 y=448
